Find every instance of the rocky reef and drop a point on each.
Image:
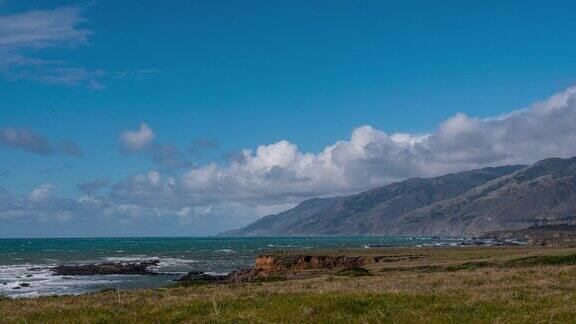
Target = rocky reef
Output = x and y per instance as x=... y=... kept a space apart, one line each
x=107 y=268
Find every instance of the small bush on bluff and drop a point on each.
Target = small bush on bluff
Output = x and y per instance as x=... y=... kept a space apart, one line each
x=269 y=279
x=353 y=272
x=544 y=260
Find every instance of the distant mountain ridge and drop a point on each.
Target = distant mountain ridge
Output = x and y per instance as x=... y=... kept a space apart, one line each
x=386 y=210
x=543 y=193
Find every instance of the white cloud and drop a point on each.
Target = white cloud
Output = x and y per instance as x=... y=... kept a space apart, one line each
x=142 y=140
x=43 y=28
x=276 y=176
x=42 y=193
x=23 y=36
x=281 y=173
x=138 y=140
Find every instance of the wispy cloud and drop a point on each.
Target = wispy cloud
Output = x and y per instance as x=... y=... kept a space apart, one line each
x=70 y=148
x=92 y=187
x=25 y=139
x=43 y=28
x=57 y=169
x=24 y=36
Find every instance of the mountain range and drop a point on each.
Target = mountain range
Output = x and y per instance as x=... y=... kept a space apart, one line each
x=459 y=204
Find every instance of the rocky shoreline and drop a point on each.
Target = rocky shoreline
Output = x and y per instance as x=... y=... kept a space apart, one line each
x=272 y=266
x=277 y=266
x=284 y=266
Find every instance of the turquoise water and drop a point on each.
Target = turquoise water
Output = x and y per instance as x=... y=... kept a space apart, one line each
x=176 y=255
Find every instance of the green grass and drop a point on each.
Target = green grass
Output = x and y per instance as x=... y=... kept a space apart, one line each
x=543 y=260
x=311 y=308
x=269 y=279
x=532 y=261
x=353 y=272
x=446 y=268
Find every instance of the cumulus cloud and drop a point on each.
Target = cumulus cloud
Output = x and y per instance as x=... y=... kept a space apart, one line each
x=276 y=176
x=138 y=140
x=280 y=173
x=27 y=140
x=40 y=204
x=143 y=141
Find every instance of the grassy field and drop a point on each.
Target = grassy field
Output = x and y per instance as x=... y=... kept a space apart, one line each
x=443 y=285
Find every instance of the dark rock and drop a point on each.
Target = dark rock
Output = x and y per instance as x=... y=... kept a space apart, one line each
x=29 y=276
x=200 y=276
x=24 y=284
x=108 y=290
x=17 y=287
x=242 y=275
x=140 y=268
x=236 y=276
x=4 y=283
x=377 y=245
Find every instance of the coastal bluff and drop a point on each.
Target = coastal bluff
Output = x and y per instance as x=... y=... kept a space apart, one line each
x=280 y=262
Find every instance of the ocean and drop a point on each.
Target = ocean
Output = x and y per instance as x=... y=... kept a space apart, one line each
x=176 y=255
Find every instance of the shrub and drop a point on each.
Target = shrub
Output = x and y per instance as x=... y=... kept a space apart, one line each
x=353 y=272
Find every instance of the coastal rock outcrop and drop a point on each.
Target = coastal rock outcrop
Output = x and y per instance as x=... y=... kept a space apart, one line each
x=106 y=268
x=200 y=276
x=235 y=276
x=281 y=266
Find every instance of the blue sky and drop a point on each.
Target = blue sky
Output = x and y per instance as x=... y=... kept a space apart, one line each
x=209 y=79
